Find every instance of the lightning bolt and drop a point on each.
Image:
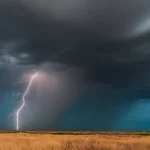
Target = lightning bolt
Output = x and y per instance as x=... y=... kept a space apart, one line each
x=23 y=99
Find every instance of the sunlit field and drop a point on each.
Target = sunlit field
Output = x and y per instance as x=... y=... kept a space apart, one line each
x=74 y=141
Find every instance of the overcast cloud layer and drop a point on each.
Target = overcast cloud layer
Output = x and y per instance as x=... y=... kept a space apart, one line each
x=101 y=34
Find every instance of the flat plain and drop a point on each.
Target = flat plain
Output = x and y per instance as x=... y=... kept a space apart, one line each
x=46 y=140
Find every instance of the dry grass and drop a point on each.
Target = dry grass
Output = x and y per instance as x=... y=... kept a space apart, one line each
x=25 y=141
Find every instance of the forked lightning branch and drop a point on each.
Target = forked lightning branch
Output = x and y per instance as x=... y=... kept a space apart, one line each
x=24 y=100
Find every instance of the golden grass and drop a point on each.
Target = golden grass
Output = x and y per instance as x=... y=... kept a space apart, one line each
x=24 y=141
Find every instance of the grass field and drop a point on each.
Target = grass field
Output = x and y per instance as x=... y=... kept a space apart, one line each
x=74 y=141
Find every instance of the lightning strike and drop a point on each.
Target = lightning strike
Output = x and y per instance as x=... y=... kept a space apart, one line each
x=23 y=99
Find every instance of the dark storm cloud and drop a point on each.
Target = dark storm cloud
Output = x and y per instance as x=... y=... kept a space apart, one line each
x=109 y=39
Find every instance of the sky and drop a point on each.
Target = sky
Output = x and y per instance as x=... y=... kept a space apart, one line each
x=92 y=58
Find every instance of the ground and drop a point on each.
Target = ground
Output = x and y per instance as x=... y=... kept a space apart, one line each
x=44 y=140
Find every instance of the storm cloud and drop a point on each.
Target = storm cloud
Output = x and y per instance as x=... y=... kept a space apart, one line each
x=102 y=43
